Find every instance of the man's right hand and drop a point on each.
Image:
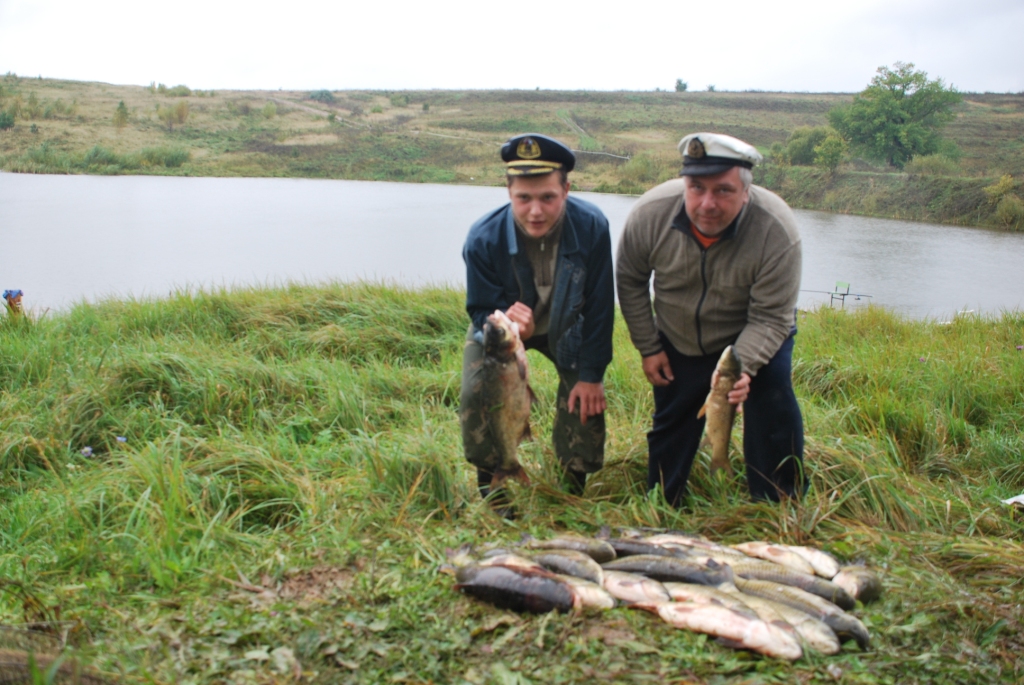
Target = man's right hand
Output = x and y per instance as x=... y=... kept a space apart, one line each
x=522 y=315
x=658 y=370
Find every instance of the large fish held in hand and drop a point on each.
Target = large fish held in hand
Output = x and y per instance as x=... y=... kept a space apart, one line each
x=719 y=412
x=505 y=394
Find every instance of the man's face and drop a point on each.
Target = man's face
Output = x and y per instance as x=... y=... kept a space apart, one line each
x=537 y=201
x=712 y=202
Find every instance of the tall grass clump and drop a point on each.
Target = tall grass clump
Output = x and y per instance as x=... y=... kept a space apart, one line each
x=220 y=485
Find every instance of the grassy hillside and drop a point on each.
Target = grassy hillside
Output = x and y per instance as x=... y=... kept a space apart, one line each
x=453 y=137
x=275 y=475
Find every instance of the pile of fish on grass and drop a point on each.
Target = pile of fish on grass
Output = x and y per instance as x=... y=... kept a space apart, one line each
x=776 y=600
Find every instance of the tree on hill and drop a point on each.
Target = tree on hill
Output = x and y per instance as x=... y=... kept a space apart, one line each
x=898 y=116
x=120 y=116
x=681 y=85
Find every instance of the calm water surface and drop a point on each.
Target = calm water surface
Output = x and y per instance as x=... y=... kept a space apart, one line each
x=68 y=238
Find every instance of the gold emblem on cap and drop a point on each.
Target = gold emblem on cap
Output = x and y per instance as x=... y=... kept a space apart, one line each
x=695 y=149
x=528 y=149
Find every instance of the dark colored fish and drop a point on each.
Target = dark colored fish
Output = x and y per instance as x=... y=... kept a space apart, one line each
x=765 y=570
x=626 y=547
x=844 y=625
x=504 y=395
x=673 y=569
x=598 y=550
x=571 y=563
x=516 y=589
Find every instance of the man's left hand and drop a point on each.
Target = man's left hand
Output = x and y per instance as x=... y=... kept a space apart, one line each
x=591 y=399
x=740 y=390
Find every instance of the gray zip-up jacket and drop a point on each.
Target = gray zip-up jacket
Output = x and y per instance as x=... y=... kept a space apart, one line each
x=741 y=291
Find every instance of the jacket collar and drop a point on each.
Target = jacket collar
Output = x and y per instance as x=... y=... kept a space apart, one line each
x=681 y=222
x=568 y=245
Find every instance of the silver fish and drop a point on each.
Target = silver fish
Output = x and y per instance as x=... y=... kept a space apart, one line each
x=598 y=550
x=844 y=625
x=752 y=569
x=777 y=554
x=571 y=563
x=733 y=628
x=823 y=563
x=673 y=569
x=861 y=583
x=589 y=594
x=630 y=588
x=815 y=633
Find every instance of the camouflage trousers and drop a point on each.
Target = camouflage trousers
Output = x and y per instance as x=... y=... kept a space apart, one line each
x=579 y=447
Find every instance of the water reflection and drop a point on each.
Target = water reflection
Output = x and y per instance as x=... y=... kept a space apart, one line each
x=67 y=238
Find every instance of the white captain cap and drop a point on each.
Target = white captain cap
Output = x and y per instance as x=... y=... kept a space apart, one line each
x=712 y=153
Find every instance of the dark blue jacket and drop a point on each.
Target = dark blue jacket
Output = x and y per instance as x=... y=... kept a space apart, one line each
x=583 y=299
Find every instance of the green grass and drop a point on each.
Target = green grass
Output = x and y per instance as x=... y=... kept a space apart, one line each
x=305 y=440
x=384 y=135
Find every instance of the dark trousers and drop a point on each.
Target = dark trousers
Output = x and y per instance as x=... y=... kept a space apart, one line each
x=773 y=430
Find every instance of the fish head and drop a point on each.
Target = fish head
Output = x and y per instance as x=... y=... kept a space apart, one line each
x=501 y=334
x=729 y=364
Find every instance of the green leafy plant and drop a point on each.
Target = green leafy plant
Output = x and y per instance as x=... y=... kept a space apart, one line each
x=120 y=116
x=829 y=153
x=324 y=96
x=898 y=116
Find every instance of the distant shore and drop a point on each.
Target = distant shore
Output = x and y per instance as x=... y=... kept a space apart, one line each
x=625 y=140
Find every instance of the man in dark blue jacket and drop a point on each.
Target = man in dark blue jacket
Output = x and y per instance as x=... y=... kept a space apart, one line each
x=545 y=259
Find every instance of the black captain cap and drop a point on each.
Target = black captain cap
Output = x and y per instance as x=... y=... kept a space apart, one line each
x=532 y=154
x=705 y=154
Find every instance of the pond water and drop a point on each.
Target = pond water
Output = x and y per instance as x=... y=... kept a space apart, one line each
x=69 y=238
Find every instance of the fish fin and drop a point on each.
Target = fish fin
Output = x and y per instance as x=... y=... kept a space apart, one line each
x=733 y=644
x=703 y=410
x=604 y=533
x=460 y=556
x=527 y=434
x=501 y=475
x=646 y=606
x=521 y=362
x=720 y=463
x=533 y=395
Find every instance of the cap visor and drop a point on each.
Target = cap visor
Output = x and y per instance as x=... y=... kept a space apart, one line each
x=537 y=169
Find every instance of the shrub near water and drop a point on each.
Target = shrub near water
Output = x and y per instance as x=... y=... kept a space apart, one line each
x=271 y=433
x=48 y=159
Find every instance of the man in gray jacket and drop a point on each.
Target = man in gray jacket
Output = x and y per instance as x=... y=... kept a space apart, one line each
x=726 y=262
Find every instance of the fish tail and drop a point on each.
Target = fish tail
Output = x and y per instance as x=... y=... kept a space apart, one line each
x=502 y=475
x=720 y=460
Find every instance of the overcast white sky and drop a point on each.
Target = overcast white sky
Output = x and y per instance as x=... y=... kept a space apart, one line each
x=790 y=45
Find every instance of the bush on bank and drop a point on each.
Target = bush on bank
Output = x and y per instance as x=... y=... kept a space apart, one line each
x=913 y=196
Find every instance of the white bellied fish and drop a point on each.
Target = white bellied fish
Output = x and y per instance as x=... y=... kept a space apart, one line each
x=631 y=588
x=823 y=563
x=778 y=554
x=741 y=630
